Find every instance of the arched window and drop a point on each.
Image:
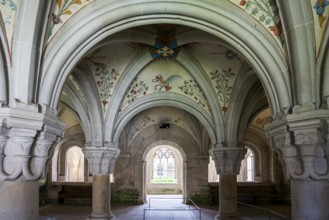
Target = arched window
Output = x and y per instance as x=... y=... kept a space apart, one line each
x=74 y=165
x=164 y=166
x=247 y=170
x=250 y=165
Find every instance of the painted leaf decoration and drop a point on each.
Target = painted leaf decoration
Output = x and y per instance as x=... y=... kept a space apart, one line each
x=59 y=3
x=77 y=2
x=67 y=12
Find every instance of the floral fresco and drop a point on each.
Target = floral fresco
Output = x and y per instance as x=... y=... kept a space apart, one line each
x=192 y=89
x=62 y=12
x=105 y=80
x=8 y=9
x=136 y=89
x=267 y=13
x=223 y=85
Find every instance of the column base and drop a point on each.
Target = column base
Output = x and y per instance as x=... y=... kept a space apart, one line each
x=105 y=216
x=227 y=217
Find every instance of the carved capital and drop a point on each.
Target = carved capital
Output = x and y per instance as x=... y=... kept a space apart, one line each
x=101 y=159
x=302 y=144
x=25 y=142
x=228 y=159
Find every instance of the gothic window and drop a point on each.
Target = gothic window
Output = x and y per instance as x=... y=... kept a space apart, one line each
x=250 y=166
x=164 y=166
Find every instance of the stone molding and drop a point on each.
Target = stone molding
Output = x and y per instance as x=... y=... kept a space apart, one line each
x=101 y=159
x=228 y=158
x=301 y=140
x=26 y=137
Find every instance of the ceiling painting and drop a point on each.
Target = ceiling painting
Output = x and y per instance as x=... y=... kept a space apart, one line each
x=107 y=65
x=169 y=115
x=63 y=10
x=320 y=15
x=161 y=77
x=165 y=46
x=222 y=65
x=261 y=119
x=267 y=13
x=8 y=9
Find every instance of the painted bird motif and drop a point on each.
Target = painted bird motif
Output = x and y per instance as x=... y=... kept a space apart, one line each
x=164 y=83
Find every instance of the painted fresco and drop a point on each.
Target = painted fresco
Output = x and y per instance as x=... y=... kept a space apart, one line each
x=261 y=119
x=267 y=13
x=320 y=15
x=172 y=115
x=165 y=46
x=63 y=10
x=8 y=9
x=159 y=77
x=222 y=66
x=107 y=65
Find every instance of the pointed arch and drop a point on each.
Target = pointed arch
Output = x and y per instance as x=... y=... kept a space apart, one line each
x=167 y=99
x=224 y=22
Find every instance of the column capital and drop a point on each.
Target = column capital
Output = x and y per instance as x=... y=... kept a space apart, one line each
x=26 y=137
x=301 y=140
x=101 y=159
x=228 y=159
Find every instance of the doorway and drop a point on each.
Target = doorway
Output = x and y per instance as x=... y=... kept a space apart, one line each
x=164 y=170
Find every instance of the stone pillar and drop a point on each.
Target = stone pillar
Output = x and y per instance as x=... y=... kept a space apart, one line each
x=100 y=202
x=26 y=138
x=101 y=162
x=228 y=197
x=19 y=200
x=228 y=161
x=301 y=141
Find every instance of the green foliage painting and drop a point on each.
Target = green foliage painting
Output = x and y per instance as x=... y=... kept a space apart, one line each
x=192 y=89
x=223 y=86
x=105 y=80
x=267 y=12
x=136 y=89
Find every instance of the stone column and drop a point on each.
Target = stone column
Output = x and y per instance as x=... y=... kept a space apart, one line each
x=26 y=137
x=228 y=161
x=301 y=141
x=101 y=162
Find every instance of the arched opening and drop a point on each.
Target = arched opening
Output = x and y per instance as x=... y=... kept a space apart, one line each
x=164 y=170
x=74 y=165
x=163 y=167
x=247 y=170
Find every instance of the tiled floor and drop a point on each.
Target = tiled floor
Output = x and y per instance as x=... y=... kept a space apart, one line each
x=159 y=210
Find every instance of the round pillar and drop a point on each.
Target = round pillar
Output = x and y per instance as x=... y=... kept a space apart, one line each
x=100 y=198
x=310 y=199
x=19 y=200
x=227 y=197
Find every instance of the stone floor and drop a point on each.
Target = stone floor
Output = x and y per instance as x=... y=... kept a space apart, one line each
x=157 y=209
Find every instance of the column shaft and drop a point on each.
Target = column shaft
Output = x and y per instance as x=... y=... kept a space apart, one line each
x=19 y=200
x=100 y=199
x=310 y=199
x=227 y=197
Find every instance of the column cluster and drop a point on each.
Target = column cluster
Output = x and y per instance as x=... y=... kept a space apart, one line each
x=26 y=138
x=301 y=141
